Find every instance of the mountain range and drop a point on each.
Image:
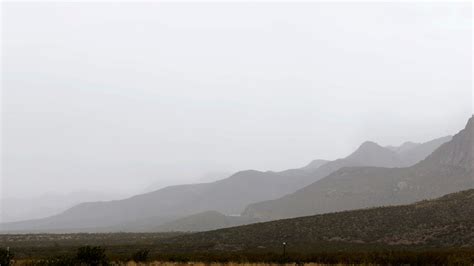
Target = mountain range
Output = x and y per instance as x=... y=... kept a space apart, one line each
x=232 y=195
x=448 y=169
x=369 y=153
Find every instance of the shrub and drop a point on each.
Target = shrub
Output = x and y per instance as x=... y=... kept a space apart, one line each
x=93 y=256
x=141 y=255
x=6 y=256
x=57 y=261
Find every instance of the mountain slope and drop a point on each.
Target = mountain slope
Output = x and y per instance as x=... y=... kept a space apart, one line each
x=315 y=164
x=447 y=170
x=444 y=222
x=413 y=154
x=204 y=221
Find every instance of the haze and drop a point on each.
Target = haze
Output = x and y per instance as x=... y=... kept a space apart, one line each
x=119 y=96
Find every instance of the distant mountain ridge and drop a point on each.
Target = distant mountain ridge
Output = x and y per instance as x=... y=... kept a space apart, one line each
x=18 y=209
x=229 y=196
x=372 y=154
x=448 y=169
x=413 y=153
x=404 y=147
x=369 y=153
x=315 y=164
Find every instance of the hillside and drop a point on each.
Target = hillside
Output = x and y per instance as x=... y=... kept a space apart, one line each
x=204 y=221
x=444 y=222
x=447 y=170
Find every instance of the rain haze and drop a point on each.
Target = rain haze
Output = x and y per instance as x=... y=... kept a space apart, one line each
x=117 y=97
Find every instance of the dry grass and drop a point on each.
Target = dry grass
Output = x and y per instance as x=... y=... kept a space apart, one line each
x=160 y=263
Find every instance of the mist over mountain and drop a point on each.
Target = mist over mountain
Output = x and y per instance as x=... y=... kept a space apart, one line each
x=448 y=169
x=204 y=178
x=406 y=146
x=18 y=209
x=370 y=153
x=141 y=212
x=315 y=164
x=261 y=133
x=229 y=196
x=411 y=153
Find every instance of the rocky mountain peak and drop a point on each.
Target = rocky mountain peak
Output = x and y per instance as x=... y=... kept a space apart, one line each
x=459 y=151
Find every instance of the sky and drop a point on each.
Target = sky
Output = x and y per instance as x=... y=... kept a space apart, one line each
x=119 y=96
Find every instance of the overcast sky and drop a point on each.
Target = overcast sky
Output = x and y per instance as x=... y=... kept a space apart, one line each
x=116 y=96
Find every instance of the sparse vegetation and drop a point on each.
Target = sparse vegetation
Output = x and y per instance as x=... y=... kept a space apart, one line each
x=141 y=255
x=56 y=261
